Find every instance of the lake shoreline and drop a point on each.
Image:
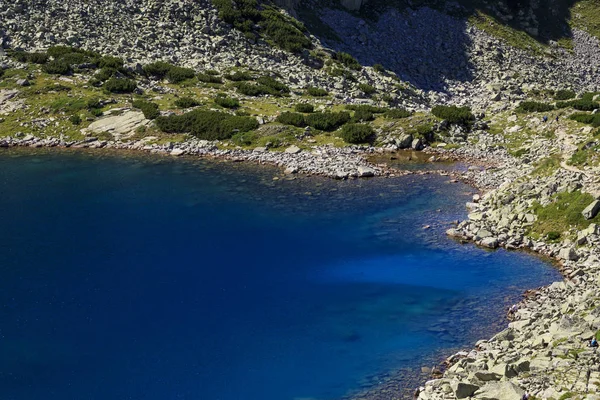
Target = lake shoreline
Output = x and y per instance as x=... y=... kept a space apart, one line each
x=466 y=231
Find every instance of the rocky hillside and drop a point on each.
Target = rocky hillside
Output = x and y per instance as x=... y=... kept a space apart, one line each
x=448 y=54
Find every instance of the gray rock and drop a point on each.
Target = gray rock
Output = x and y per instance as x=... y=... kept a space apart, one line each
x=417 y=144
x=568 y=254
x=405 y=141
x=177 y=152
x=293 y=149
x=592 y=210
x=463 y=390
x=486 y=376
x=365 y=172
x=499 y=391
x=489 y=242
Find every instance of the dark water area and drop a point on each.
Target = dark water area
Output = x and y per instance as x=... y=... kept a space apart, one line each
x=133 y=277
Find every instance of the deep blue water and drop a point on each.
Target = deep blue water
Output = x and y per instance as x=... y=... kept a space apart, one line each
x=147 y=278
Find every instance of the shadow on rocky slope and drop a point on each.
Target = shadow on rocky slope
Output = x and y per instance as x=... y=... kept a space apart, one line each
x=429 y=47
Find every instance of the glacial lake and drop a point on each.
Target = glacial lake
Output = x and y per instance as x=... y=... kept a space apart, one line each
x=137 y=277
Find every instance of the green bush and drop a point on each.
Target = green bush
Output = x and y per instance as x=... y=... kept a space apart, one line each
x=227 y=102
x=348 y=61
x=277 y=28
x=367 y=89
x=207 y=78
x=239 y=76
x=186 y=102
x=57 y=52
x=378 y=68
x=37 y=58
x=328 y=121
x=207 y=125
x=104 y=74
x=590 y=119
x=96 y=112
x=57 y=67
x=92 y=103
x=584 y=105
x=304 y=108
x=290 y=118
x=564 y=95
x=149 y=109
x=251 y=89
x=180 y=74
x=397 y=113
x=362 y=115
x=272 y=83
x=158 y=69
x=316 y=92
x=2 y=72
x=534 y=106
x=356 y=133
x=211 y=72
x=553 y=235
x=75 y=58
x=110 y=62
x=589 y=96
x=285 y=32
x=453 y=114
x=120 y=85
x=75 y=119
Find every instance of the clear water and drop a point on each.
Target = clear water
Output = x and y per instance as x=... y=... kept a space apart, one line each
x=148 y=278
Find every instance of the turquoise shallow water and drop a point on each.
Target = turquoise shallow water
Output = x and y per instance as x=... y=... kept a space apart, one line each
x=149 y=278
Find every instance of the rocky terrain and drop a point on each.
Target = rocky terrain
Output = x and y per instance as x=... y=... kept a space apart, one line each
x=528 y=129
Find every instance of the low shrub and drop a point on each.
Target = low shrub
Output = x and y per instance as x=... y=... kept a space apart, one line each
x=534 y=106
x=589 y=96
x=120 y=85
x=362 y=115
x=158 y=69
x=453 y=114
x=104 y=74
x=186 y=102
x=316 y=92
x=207 y=78
x=397 y=113
x=207 y=125
x=227 y=102
x=111 y=62
x=590 y=119
x=356 y=133
x=564 y=95
x=75 y=58
x=553 y=236
x=348 y=60
x=57 y=52
x=290 y=118
x=273 y=84
x=285 y=32
x=253 y=90
x=378 y=68
x=149 y=109
x=37 y=58
x=367 y=89
x=92 y=103
x=75 y=119
x=2 y=72
x=211 y=72
x=239 y=76
x=304 y=108
x=96 y=112
x=584 y=105
x=328 y=121
x=57 y=67
x=180 y=74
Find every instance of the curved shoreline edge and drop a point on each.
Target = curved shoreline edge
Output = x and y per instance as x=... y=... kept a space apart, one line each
x=544 y=350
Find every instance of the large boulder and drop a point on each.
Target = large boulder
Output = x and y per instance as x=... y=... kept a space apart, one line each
x=568 y=254
x=463 y=390
x=499 y=391
x=592 y=210
x=404 y=141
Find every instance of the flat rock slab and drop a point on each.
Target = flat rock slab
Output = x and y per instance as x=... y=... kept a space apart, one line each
x=592 y=210
x=119 y=125
x=499 y=391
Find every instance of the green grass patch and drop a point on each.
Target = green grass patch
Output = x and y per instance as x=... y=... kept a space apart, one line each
x=356 y=133
x=563 y=213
